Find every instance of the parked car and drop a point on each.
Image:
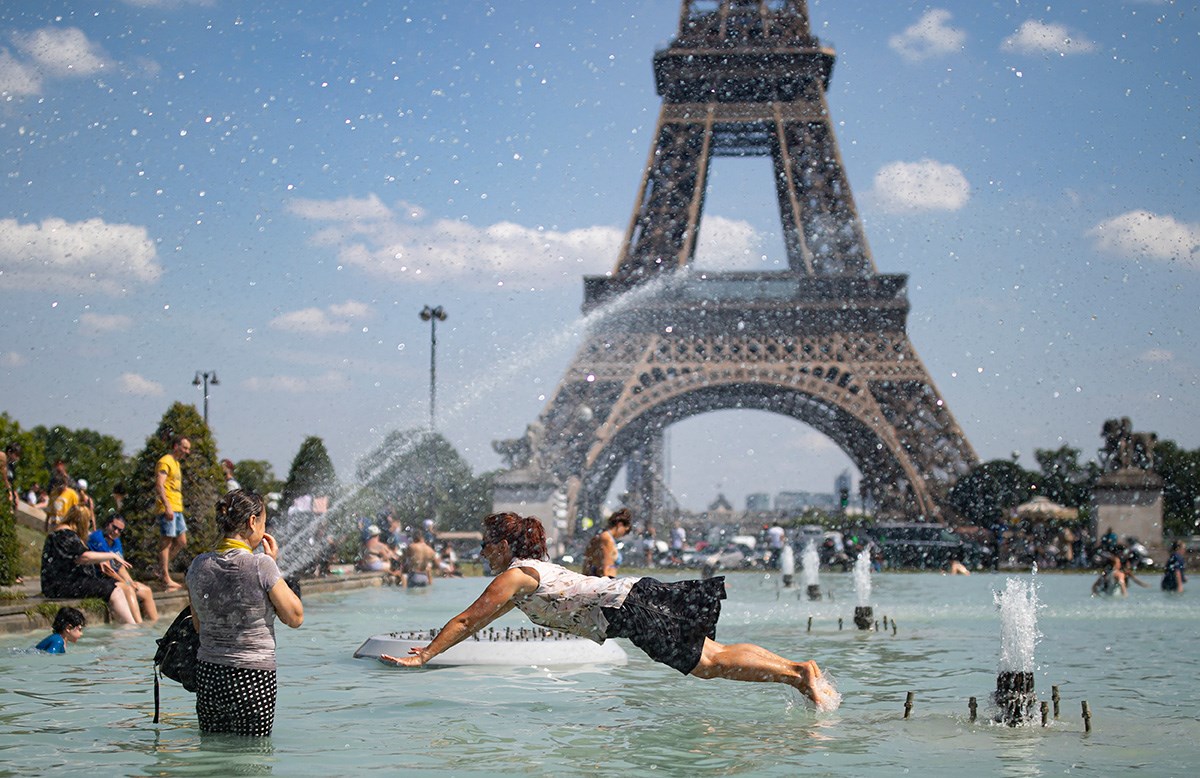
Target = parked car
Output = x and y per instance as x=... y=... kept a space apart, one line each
x=923 y=546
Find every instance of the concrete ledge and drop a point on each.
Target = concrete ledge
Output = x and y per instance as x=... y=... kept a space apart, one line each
x=16 y=615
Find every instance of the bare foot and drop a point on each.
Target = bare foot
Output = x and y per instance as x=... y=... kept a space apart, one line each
x=171 y=586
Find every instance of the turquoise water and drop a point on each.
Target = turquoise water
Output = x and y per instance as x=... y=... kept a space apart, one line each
x=1135 y=661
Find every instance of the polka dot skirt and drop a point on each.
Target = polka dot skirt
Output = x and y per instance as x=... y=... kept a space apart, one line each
x=235 y=699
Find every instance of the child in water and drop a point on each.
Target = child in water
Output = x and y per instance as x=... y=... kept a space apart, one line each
x=68 y=628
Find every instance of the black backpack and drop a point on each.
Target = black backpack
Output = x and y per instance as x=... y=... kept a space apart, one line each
x=176 y=655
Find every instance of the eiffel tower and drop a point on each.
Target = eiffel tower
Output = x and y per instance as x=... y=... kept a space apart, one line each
x=823 y=341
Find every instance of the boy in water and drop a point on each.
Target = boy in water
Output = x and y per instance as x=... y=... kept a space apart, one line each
x=68 y=628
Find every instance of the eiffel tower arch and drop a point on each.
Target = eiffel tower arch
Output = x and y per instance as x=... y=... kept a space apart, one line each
x=823 y=342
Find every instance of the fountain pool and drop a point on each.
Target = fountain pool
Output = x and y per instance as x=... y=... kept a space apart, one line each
x=1134 y=660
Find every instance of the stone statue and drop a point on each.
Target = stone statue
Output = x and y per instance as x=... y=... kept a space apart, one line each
x=1143 y=450
x=1125 y=449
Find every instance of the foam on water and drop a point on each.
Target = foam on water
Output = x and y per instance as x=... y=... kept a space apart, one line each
x=828 y=697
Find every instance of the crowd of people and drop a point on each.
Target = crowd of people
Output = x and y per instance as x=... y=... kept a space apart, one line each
x=410 y=557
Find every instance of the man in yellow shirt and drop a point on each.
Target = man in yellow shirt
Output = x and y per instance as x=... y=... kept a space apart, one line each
x=168 y=487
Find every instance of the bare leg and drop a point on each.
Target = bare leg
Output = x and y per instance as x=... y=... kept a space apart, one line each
x=118 y=605
x=168 y=548
x=748 y=662
x=146 y=596
x=132 y=598
x=164 y=562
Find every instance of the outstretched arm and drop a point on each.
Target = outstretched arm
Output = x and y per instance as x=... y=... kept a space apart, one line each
x=496 y=600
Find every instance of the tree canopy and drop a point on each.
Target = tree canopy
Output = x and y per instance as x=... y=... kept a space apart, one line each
x=311 y=473
x=418 y=475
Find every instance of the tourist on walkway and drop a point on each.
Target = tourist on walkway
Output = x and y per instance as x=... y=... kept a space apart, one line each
x=235 y=596
x=674 y=623
x=172 y=525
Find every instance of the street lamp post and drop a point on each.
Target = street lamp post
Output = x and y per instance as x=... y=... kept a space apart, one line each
x=433 y=316
x=205 y=379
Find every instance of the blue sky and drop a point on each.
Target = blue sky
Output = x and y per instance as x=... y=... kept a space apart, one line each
x=274 y=190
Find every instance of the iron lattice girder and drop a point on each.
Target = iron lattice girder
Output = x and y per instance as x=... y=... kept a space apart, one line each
x=824 y=342
x=830 y=352
x=762 y=99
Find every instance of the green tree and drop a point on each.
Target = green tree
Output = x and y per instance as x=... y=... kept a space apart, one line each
x=1180 y=471
x=32 y=469
x=10 y=547
x=1063 y=479
x=985 y=495
x=98 y=458
x=311 y=473
x=203 y=483
x=419 y=475
x=256 y=475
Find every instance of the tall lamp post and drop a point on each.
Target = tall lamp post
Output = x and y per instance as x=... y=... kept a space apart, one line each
x=205 y=379
x=433 y=316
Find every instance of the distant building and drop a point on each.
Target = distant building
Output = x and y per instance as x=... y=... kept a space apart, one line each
x=797 y=502
x=759 y=502
x=792 y=501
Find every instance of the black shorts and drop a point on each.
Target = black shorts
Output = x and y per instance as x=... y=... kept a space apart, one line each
x=669 y=621
x=82 y=586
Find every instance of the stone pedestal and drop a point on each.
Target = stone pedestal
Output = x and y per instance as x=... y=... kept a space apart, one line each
x=1130 y=501
x=1015 y=697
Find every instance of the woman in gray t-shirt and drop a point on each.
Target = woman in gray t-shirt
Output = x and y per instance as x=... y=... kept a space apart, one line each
x=235 y=596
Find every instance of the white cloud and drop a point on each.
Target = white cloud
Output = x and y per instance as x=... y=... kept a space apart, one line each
x=12 y=359
x=167 y=3
x=931 y=36
x=93 y=323
x=1034 y=37
x=725 y=244
x=132 y=383
x=1142 y=234
x=926 y=185
x=60 y=256
x=398 y=244
x=62 y=52
x=331 y=381
x=321 y=322
x=351 y=309
x=347 y=209
x=1157 y=355
x=16 y=78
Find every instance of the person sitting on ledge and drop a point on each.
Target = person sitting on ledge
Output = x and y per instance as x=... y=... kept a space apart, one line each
x=68 y=567
x=674 y=623
x=141 y=597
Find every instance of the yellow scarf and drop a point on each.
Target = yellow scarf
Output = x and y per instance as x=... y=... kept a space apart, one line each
x=229 y=544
